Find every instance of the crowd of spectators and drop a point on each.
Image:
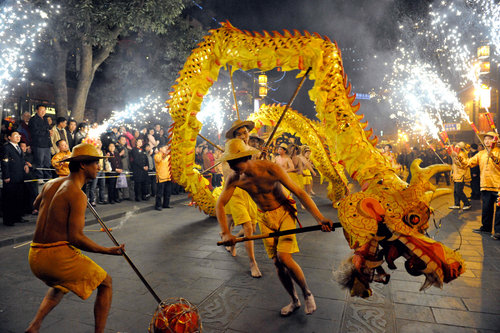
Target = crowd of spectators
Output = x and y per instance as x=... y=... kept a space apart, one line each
x=138 y=164
x=32 y=149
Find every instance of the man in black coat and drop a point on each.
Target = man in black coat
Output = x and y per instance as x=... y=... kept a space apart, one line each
x=139 y=163
x=40 y=142
x=13 y=170
x=71 y=133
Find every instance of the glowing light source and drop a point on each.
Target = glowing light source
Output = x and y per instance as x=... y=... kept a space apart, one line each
x=262 y=79
x=434 y=61
x=21 y=27
x=262 y=91
x=484 y=93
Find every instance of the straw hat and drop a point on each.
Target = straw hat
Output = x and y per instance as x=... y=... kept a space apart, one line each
x=237 y=124
x=84 y=152
x=490 y=133
x=236 y=148
x=284 y=146
x=256 y=137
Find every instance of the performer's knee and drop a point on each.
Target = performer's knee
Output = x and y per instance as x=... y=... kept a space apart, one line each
x=107 y=282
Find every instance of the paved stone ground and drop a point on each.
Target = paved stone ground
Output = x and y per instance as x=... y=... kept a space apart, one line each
x=176 y=252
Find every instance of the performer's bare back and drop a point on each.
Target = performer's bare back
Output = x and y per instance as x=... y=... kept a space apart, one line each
x=56 y=202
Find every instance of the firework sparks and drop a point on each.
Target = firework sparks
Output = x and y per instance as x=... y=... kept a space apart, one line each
x=146 y=111
x=21 y=27
x=435 y=59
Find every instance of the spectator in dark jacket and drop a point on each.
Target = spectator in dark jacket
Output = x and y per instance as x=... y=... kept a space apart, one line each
x=139 y=163
x=115 y=162
x=30 y=187
x=83 y=130
x=40 y=142
x=123 y=151
x=24 y=129
x=13 y=170
x=71 y=133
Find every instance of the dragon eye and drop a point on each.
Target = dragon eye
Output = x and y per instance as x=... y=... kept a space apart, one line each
x=414 y=219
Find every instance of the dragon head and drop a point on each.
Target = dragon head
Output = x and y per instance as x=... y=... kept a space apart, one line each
x=386 y=220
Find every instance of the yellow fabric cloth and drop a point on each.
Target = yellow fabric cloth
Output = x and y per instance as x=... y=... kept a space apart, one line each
x=278 y=219
x=62 y=169
x=307 y=178
x=241 y=207
x=459 y=170
x=490 y=172
x=64 y=267
x=162 y=166
x=296 y=178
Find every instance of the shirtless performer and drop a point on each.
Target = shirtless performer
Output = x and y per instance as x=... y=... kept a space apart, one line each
x=55 y=256
x=241 y=209
x=283 y=160
x=262 y=180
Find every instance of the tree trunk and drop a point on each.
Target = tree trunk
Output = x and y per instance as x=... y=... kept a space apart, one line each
x=85 y=77
x=60 y=87
x=88 y=67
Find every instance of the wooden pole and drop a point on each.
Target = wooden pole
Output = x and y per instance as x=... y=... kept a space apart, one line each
x=210 y=168
x=92 y=209
x=286 y=108
x=234 y=94
x=279 y=233
x=213 y=144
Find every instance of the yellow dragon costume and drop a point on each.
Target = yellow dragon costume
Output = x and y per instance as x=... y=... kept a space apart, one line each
x=383 y=221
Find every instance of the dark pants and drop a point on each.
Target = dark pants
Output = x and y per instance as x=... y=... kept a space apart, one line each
x=475 y=185
x=41 y=159
x=30 y=193
x=140 y=190
x=163 y=191
x=151 y=185
x=489 y=199
x=12 y=202
x=112 y=190
x=459 y=195
x=97 y=184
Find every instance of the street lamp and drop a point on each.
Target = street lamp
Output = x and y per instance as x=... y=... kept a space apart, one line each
x=262 y=85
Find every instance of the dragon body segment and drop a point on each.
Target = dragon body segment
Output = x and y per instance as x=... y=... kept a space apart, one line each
x=383 y=221
x=311 y=134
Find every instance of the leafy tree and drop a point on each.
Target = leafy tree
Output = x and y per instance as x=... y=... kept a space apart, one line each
x=90 y=30
x=146 y=63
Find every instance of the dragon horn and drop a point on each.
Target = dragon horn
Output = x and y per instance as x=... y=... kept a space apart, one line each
x=422 y=175
x=431 y=195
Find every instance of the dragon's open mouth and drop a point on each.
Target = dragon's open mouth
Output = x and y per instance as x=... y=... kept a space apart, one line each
x=425 y=256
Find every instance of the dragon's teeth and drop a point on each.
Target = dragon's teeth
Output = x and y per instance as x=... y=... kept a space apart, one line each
x=425 y=258
x=432 y=265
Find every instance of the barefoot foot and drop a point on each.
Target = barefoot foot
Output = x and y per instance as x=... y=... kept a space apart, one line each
x=310 y=304
x=254 y=270
x=290 y=308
